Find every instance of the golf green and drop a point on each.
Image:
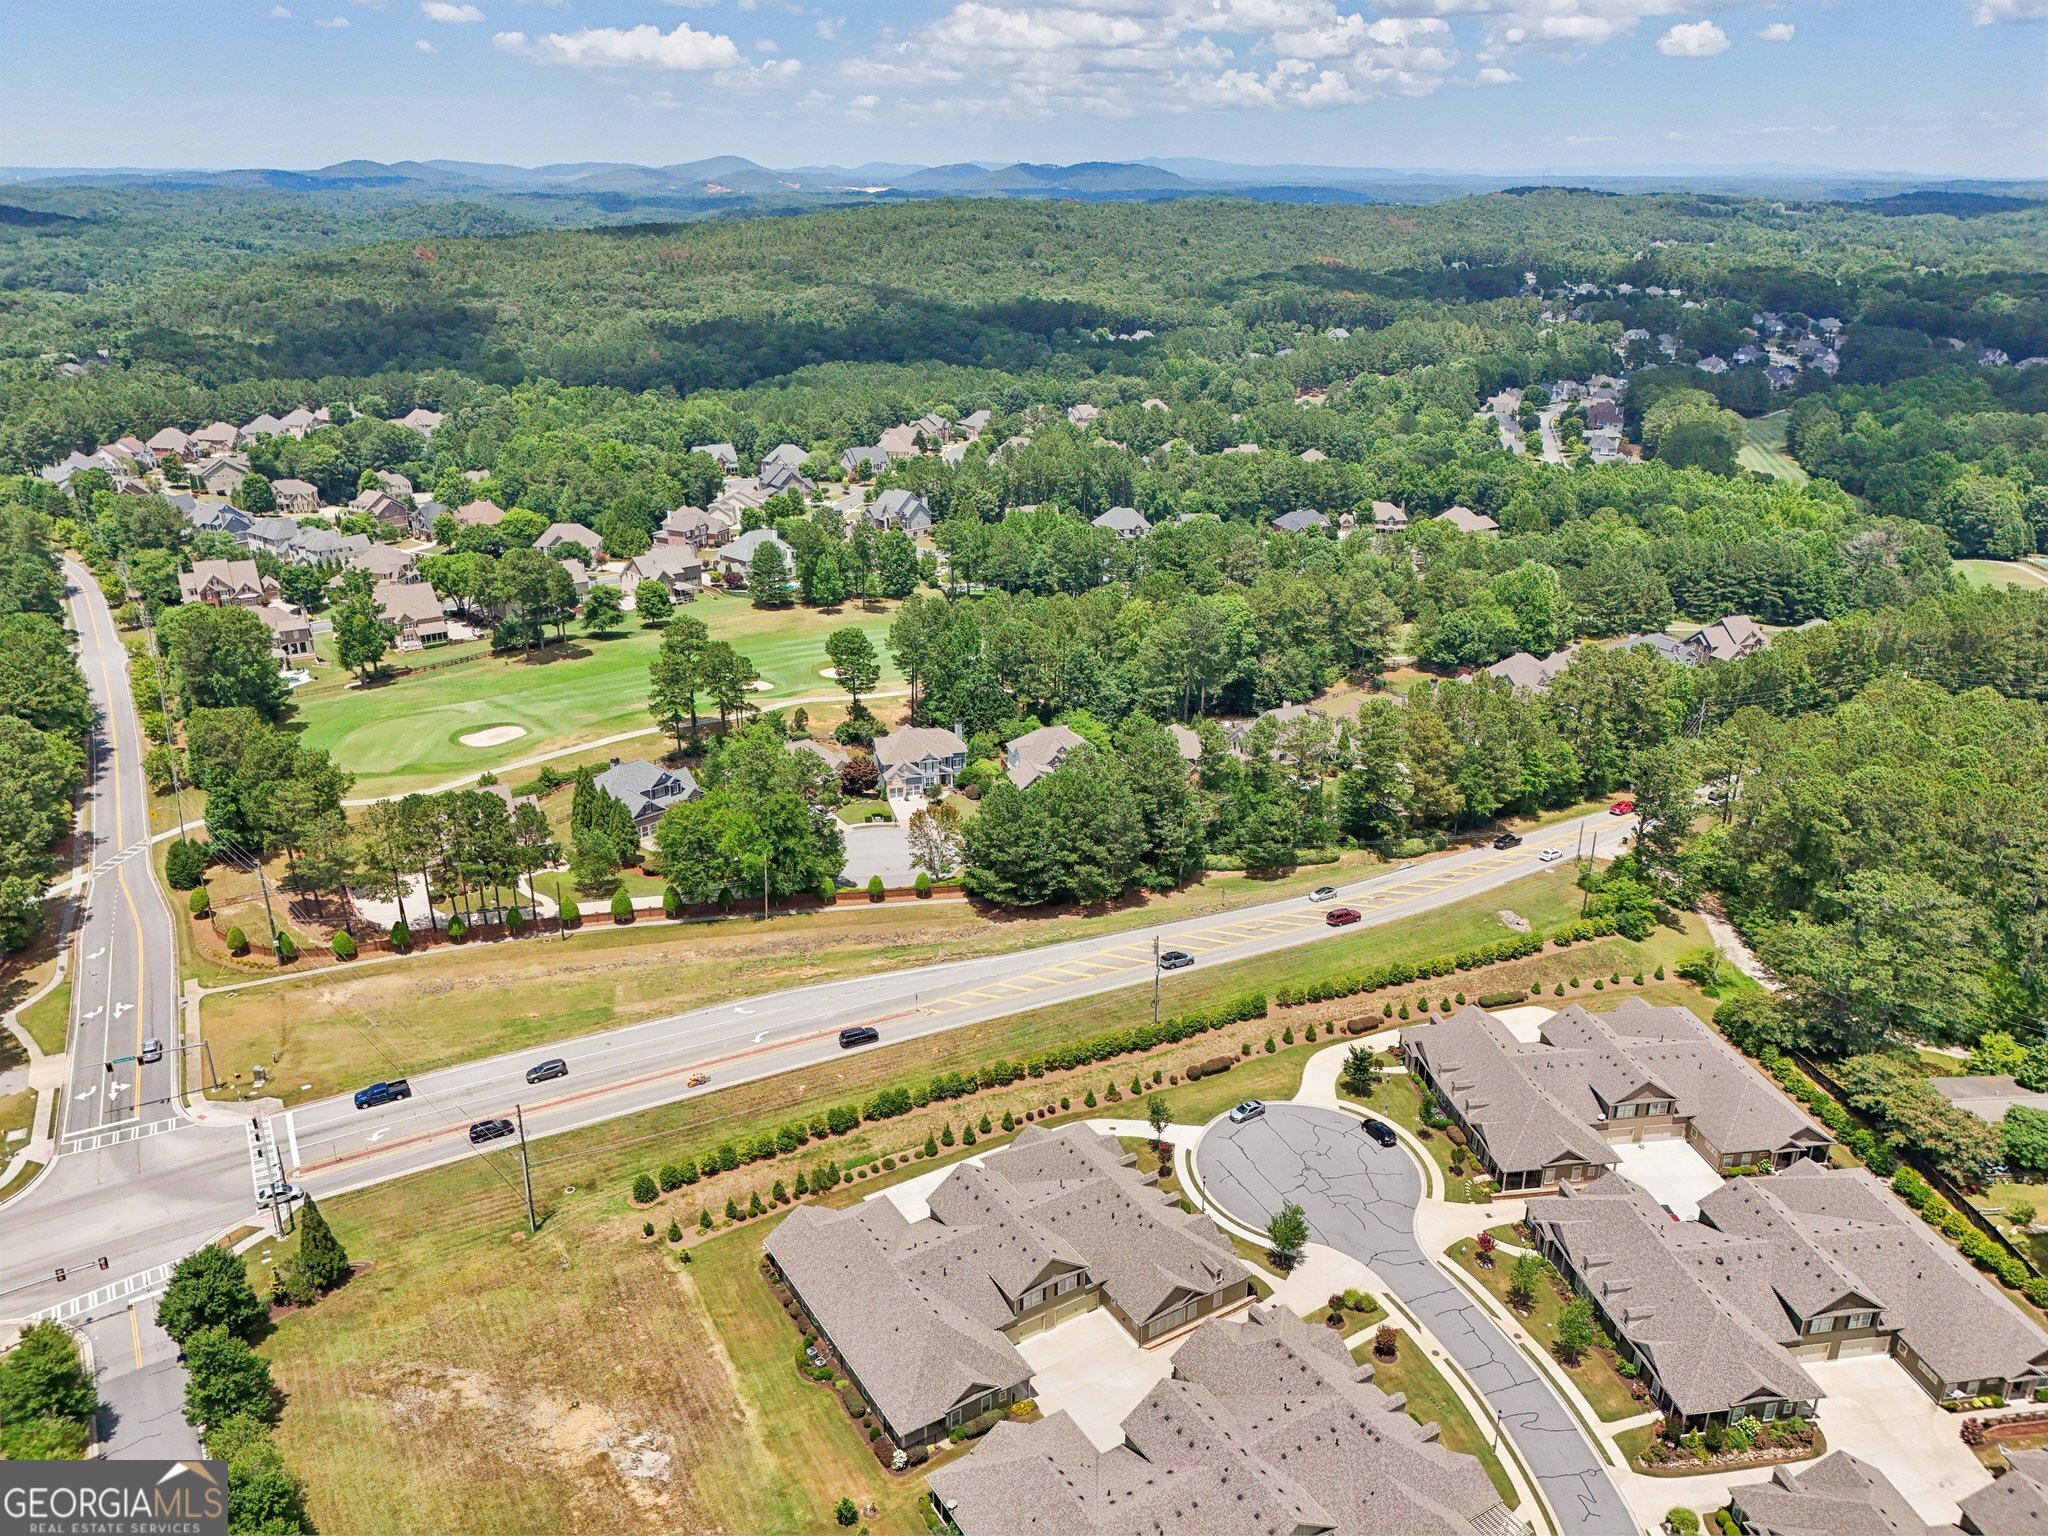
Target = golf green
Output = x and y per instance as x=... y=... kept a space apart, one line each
x=406 y=734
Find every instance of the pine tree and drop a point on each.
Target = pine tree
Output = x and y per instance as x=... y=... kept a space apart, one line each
x=321 y=1255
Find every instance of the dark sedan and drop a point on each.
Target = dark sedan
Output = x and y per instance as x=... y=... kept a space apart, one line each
x=489 y=1130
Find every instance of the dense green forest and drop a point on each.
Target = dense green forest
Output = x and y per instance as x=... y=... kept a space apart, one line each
x=1353 y=346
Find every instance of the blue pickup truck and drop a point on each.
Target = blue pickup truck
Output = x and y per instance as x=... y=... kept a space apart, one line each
x=383 y=1093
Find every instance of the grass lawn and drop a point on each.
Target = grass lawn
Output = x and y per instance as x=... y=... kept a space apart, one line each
x=459 y=1004
x=48 y=1020
x=2001 y=573
x=1431 y=1401
x=1763 y=448
x=1594 y=1375
x=402 y=735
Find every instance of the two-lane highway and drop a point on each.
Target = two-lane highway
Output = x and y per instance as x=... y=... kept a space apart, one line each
x=331 y=1145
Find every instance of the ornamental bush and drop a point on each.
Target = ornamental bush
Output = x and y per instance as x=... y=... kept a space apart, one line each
x=287 y=947
x=644 y=1189
x=237 y=942
x=344 y=947
x=201 y=903
x=401 y=936
x=622 y=906
x=876 y=890
x=671 y=901
x=184 y=864
x=923 y=884
x=458 y=930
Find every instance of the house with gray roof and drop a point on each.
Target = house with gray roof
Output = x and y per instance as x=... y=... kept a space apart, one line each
x=420 y=419
x=1030 y=757
x=1719 y=1314
x=1839 y=1494
x=291 y=632
x=692 y=526
x=2016 y=1504
x=382 y=505
x=385 y=562
x=1533 y=673
x=919 y=758
x=675 y=566
x=1300 y=520
x=974 y=423
x=219 y=517
x=1548 y=1112
x=1465 y=520
x=574 y=535
x=925 y=1315
x=855 y=463
x=735 y=559
x=413 y=608
x=1684 y=653
x=726 y=454
x=231 y=582
x=314 y=546
x=778 y=477
x=647 y=789
x=1987 y=1097
x=1730 y=638
x=1124 y=522
x=1388 y=518
x=1266 y=1426
x=171 y=440
x=788 y=455
x=295 y=495
x=220 y=475
x=900 y=509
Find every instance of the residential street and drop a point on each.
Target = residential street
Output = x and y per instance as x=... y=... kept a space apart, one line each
x=1361 y=1199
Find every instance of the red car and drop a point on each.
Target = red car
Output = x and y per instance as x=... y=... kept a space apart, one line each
x=1622 y=808
x=1337 y=917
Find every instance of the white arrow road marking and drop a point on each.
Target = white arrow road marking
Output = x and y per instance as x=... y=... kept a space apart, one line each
x=97 y=953
x=85 y=1093
x=761 y=1036
x=736 y=1008
x=94 y=1014
x=121 y=1008
x=376 y=1135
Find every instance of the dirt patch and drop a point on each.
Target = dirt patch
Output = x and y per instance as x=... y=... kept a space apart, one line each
x=1514 y=920
x=492 y=736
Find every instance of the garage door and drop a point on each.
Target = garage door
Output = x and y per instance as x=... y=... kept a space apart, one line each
x=1813 y=1351
x=1879 y=1345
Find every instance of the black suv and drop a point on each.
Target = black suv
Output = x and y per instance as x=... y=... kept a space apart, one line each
x=1378 y=1130
x=860 y=1034
x=489 y=1130
x=1507 y=840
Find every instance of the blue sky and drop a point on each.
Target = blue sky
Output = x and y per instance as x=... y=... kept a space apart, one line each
x=1930 y=86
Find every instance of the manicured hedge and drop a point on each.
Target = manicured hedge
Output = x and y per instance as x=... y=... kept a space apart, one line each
x=1399 y=973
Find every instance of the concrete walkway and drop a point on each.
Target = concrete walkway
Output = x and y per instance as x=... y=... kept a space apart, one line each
x=1363 y=1199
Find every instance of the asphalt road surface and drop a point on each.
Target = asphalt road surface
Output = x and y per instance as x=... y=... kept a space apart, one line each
x=1360 y=1199
x=330 y=1145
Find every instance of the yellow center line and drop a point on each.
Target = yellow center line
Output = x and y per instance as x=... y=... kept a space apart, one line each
x=135 y=1331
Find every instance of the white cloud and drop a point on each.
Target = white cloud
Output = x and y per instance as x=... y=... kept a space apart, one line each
x=331 y=22
x=1493 y=74
x=1041 y=58
x=641 y=47
x=766 y=45
x=829 y=27
x=442 y=10
x=1590 y=138
x=1693 y=40
x=279 y=13
x=423 y=46
x=1778 y=32
x=1988 y=13
x=761 y=77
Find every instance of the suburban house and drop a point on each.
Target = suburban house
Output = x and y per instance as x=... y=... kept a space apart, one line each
x=857 y=462
x=291 y=632
x=381 y=505
x=1732 y=637
x=1266 y=1425
x=420 y=419
x=777 y=478
x=1081 y=415
x=1549 y=1111
x=919 y=758
x=899 y=442
x=295 y=496
x=830 y=753
x=1313 y=456
x=480 y=514
x=265 y=425
x=738 y=497
x=298 y=421
x=1186 y=742
x=219 y=437
x=925 y=1315
x=647 y=789
x=1838 y=1494
x=1813 y=1264
x=973 y=424
x=1300 y=520
x=1465 y=520
x=414 y=609
x=1124 y=522
x=728 y=457
x=900 y=509
x=689 y=526
x=2016 y=1503
x=1388 y=518
x=170 y=440
x=218 y=517
x=386 y=562
x=1033 y=755
x=219 y=476
x=733 y=561
x=1602 y=413
x=221 y=582
x=933 y=429
x=1681 y=652
x=392 y=483
x=1988 y=1098
x=785 y=456
x=558 y=535
x=1534 y=673
x=314 y=546
x=276 y=534
x=675 y=566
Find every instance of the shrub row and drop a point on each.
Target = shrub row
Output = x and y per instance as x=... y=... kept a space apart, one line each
x=1211 y=1067
x=1580 y=930
x=1501 y=999
x=1871 y=1150
x=1398 y=973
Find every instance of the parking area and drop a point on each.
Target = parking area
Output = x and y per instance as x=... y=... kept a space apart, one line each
x=1676 y=1176
x=879 y=848
x=1094 y=1371
x=1873 y=1410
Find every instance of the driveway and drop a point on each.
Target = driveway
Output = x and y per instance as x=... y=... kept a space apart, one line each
x=1361 y=1198
x=1873 y=1410
x=1676 y=1176
x=879 y=848
x=1095 y=1371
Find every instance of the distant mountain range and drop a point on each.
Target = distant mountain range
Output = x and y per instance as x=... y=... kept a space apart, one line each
x=730 y=183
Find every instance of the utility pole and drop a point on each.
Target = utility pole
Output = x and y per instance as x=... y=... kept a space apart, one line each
x=1155 y=981
x=1586 y=896
x=525 y=1170
x=764 y=882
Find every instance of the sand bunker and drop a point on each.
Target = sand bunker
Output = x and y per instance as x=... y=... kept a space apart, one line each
x=759 y=685
x=831 y=672
x=493 y=736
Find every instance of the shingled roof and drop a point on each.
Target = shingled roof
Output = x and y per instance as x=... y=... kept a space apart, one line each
x=1266 y=1428
x=1838 y=1495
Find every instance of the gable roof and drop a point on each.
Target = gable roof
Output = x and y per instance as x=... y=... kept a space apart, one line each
x=1036 y=753
x=1839 y=1495
x=900 y=509
x=1300 y=520
x=1533 y=673
x=569 y=533
x=1467 y=521
x=408 y=602
x=1124 y=520
x=481 y=513
x=915 y=742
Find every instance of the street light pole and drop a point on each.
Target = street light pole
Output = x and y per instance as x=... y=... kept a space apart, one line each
x=525 y=1170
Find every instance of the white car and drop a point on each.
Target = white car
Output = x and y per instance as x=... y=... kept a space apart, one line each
x=152 y=1051
x=1549 y=856
x=280 y=1193
x=1323 y=893
x=1250 y=1109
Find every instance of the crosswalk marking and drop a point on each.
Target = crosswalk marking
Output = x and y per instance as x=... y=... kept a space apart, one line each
x=91 y=1140
x=128 y=1289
